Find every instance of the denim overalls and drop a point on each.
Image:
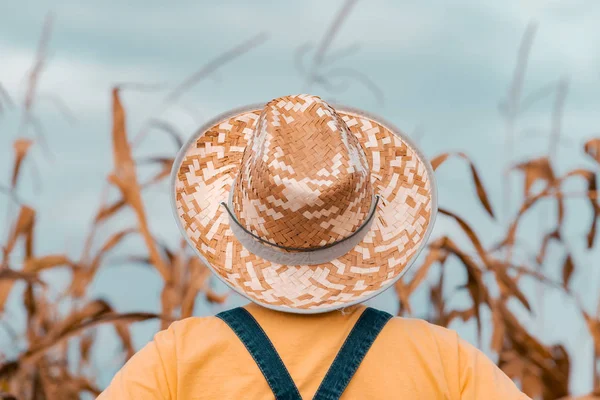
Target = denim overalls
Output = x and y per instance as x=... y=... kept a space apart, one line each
x=354 y=349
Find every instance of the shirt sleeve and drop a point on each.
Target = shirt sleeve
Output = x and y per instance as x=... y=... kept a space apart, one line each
x=149 y=374
x=480 y=378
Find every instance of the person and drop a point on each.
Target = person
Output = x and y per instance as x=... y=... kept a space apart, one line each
x=307 y=211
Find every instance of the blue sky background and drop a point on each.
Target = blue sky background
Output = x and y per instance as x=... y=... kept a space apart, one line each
x=443 y=68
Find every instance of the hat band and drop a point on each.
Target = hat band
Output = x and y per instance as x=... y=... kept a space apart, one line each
x=298 y=256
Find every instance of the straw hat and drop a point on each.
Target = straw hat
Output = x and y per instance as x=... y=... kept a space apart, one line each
x=301 y=207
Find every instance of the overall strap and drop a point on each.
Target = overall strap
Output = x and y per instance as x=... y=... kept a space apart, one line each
x=262 y=351
x=353 y=351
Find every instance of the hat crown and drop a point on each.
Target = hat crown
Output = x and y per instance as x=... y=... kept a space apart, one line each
x=304 y=179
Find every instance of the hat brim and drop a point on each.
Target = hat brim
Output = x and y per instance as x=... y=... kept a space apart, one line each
x=201 y=179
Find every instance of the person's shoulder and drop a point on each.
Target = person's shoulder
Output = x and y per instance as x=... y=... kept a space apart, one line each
x=421 y=333
x=196 y=326
x=419 y=326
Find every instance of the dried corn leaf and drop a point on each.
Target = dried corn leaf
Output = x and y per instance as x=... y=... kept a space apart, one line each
x=463 y=315
x=110 y=243
x=85 y=346
x=470 y=233
x=477 y=290
x=507 y=284
x=8 y=274
x=523 y=342
x=124 y=177
x=213 y=297
x=197 y=280
x=567 y=271
x=531 y=383
x=401 y=289
x=21 y=148
x=46 y=262
x=405 y=289
x=90 y=310
x=170 y=298
x=498 y=333
x=590 y=178
x=166 y=164
x=22 y=227
x=554 y=235
x=434 y=255
x=535 y=170
x=481 y=192
x=78 y=385
x=35 y=352
x=592 y=149
x=122 y=330
x=594 y=329
x=110 y=210
x=511 y=234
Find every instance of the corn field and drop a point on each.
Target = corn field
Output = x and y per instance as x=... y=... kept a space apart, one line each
x=51 y=356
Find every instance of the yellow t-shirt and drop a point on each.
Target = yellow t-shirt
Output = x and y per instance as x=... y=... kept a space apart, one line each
x=201 y=358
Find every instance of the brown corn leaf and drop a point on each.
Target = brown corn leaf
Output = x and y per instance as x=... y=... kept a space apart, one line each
x=463 y=315
x=481 y=192
x=511 y=234
x=470 y=233
x=590 y=178
x=536 y=170
x=592 y=149
x=594 y=328
x=170 y=297
x=498 y=333
x=543 y=248
x=439 y=160
x=110 y=243
x=22 y=227
x=34 y=353
x=477 y=290
x=8 y=274
x=518 y=335
x=197 y=280
x=532 y=384
x=567 y=272
x=166 y=164
x=213 y=297
x=405 y=289
x=122 y=330
x=21 y=148
x=124 y=177
x=434 y=255
x=85 y=345
x=107 y=211
x=403 y=297
x=508 y=284
x=46 y=262
x=90 y=310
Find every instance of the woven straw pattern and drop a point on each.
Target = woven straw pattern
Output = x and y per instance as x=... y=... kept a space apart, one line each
x=397 y=174
x=304 y=180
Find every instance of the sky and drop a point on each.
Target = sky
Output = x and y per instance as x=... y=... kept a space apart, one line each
x=443 y=69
